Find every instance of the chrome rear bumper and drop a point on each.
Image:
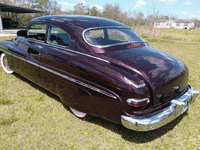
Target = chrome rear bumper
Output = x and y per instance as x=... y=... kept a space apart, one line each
x=177 y=107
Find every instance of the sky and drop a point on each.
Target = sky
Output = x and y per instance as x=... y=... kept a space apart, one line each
x=183 y=9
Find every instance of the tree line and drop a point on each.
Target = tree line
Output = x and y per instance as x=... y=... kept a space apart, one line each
x=114 y=12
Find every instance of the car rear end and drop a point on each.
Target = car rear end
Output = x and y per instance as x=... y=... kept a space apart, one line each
x=169 y=94
x=165 y=94
x=156 y=83
x=175 y=107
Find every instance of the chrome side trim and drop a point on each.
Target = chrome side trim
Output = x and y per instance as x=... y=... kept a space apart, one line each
x=7 y=52
x=79 y=82
x=70 y=79
x=177 y=107
x=26 y=60
x=133 y=84
x=65 y=48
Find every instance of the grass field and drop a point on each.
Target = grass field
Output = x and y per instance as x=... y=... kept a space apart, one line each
x=192 y=35
x=32 y=118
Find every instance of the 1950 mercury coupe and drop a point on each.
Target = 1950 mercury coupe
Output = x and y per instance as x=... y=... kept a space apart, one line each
x=100 y=67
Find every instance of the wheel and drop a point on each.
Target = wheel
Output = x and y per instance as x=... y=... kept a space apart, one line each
x=4 y=64
x=80 y=114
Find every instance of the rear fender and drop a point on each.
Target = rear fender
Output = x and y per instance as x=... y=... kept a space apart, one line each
x=75 y=96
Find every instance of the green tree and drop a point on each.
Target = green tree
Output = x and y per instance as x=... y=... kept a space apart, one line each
x=94 y=11
x=117 y=13
x=166 y=17
x=107 y=11
x=140 y=18
x=197 y=23
x=113 y=12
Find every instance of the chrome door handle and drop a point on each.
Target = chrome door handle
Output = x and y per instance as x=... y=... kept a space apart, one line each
x=40 y=47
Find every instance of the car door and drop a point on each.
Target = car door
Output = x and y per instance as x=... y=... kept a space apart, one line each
x=59 y=73
x=36 y=37
x=27 y=58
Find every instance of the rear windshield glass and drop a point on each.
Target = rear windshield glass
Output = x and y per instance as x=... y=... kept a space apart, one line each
x=111 y=36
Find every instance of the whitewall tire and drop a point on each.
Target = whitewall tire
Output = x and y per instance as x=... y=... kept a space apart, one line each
x=80 y=114
x=4 y=64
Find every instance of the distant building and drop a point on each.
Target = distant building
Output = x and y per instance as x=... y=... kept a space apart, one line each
x=177 y=24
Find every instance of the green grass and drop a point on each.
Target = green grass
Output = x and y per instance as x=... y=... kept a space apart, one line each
x=192 y=35
x=32 y=118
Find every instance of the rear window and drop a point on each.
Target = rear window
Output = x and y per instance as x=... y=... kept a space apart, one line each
x=111 y=36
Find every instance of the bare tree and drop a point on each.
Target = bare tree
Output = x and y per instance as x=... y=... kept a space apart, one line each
x=81 y=9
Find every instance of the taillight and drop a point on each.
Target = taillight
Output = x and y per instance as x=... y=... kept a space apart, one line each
x=134 y=46
x=137 y=102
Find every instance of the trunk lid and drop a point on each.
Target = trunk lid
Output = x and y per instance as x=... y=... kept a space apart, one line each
x=166 y=74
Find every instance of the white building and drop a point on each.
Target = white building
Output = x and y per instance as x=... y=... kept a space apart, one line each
x=177 y=24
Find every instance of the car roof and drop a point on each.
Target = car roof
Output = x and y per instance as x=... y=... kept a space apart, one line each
x=78 y=20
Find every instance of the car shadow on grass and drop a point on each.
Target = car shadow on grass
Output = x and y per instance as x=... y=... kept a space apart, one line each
x=136 y=136
x=126 y=134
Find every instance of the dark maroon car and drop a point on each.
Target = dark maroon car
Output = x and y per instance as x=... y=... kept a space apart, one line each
x=100 y=67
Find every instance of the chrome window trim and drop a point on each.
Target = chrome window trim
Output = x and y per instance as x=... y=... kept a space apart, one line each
x=105 y=27
x=70 y=79
x=35 y=40
x=65 y=48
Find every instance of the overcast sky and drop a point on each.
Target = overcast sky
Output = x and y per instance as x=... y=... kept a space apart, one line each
x=184 y=9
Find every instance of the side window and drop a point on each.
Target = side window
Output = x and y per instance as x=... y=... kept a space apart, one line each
x=58 y=36
x=37 y=31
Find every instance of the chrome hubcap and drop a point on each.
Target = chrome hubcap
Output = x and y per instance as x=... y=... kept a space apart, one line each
x=78 y=113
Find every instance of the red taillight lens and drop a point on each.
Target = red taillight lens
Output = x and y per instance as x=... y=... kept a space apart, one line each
x=134 y=46
x=137 y=102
